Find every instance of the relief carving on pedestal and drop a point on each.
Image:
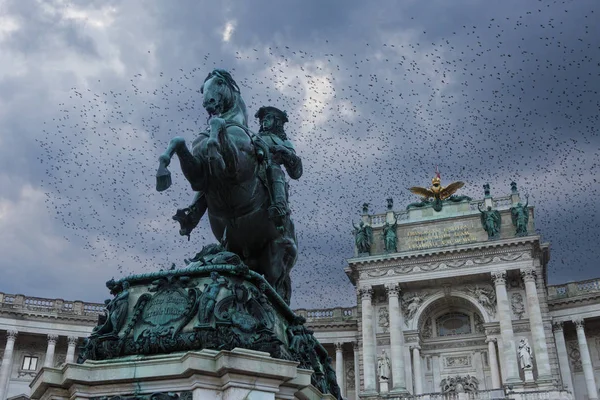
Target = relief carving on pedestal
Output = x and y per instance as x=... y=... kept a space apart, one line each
x=350 y=375
x=516 y=303
x=154 y=396
x=574 y=356
x=383 y=319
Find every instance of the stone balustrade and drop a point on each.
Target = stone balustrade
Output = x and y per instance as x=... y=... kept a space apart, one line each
x=25 y=303
x=330 y=314
x=573 y=289
x=18 y=302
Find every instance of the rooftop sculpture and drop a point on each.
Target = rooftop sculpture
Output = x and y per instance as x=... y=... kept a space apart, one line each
x=437 y=194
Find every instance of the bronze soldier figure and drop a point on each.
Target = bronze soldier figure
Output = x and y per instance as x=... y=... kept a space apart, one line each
x=281 y=152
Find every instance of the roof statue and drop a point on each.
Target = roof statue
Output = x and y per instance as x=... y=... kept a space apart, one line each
x=437 y=194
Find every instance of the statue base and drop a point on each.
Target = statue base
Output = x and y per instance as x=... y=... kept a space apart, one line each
x=528 y=372
x=207 y=374
x=383 y=386
x=215 y=303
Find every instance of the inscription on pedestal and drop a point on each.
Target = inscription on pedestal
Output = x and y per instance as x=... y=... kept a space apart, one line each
x=165 y=307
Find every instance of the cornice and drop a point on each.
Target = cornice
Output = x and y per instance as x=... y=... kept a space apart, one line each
x=575 y=300
x=24 y=314
x=447 y=253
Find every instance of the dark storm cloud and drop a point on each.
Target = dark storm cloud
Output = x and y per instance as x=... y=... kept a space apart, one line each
x=377 y=96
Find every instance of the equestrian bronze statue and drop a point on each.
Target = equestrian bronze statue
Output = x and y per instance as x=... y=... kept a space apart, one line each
x=239 y=183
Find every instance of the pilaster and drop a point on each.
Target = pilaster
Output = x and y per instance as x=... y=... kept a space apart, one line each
x=586 y=360
x=508 y=350
x=396 y=339
x=368 y=350
x=540 y=346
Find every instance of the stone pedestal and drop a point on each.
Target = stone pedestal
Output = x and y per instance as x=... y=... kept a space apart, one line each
x=383 y=386
x=528 y=375
x=206 y=374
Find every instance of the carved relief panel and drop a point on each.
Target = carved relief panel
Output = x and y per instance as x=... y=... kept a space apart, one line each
x=383 y=319
x=574 y=355
x=350 y=375
x=518 y=304
x=457 y=361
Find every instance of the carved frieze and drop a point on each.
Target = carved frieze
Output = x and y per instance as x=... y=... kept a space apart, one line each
x=457 y=361
x=389 y=269
x=452 y=345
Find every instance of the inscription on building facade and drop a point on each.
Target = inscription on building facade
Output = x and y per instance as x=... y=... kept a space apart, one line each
x=441 y=237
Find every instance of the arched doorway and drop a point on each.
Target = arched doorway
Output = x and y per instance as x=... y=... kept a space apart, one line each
x=453 y=348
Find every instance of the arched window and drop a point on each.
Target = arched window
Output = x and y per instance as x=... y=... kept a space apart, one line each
x=453 y=323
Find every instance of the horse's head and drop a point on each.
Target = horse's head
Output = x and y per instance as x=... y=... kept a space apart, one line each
x=219 y=90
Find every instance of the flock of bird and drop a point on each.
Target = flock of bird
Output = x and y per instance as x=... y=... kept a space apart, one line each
x=490 y=103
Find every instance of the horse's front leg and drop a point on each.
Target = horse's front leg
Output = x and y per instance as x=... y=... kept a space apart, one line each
x=163 y=176
x=190 y=165
x=229 y=152
x=213 y=145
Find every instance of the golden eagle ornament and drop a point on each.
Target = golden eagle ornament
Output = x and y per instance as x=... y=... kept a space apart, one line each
x=437 y=192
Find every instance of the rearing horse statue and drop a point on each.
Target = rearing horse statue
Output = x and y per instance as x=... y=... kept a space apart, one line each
x=226 y=167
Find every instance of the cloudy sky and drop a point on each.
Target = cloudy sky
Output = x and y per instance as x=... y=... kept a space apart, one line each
x=378 y=93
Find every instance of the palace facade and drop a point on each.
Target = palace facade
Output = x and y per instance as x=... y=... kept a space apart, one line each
x=447 y=307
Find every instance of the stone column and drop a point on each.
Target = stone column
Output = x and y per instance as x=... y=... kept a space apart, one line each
x=417 y=372
x=7 y=361
x=540 y=346
x=72 y=340
x=396 y=339
x=478 y=364
x=493 y=359
x=586 y=361
x=356 y=369
x=508 y=350
x=437 y=376
x=368 y=339
x=339 y=367
x=49 y=360
x=563 y=356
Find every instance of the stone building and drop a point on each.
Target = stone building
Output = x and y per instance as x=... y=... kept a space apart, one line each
x=445 y=307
